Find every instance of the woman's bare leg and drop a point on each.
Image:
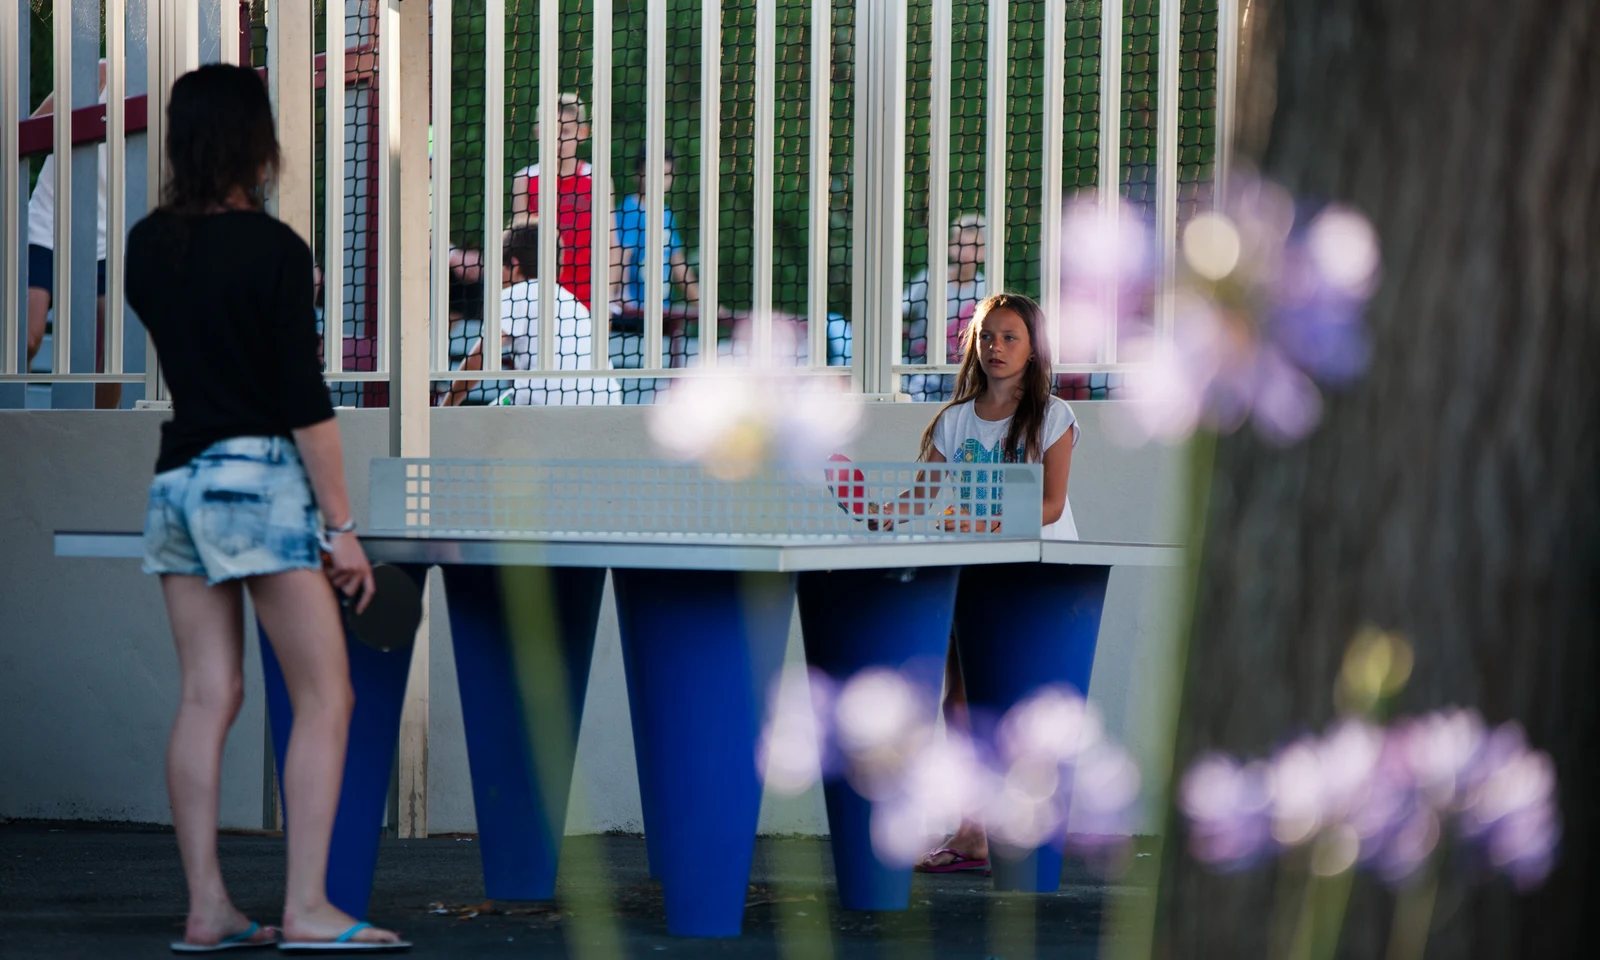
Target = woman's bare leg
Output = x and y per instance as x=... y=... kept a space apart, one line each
x=301 y=616
x=208 y=627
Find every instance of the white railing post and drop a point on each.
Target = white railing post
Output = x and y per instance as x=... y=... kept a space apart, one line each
x=710 y=173
x=1227 y=96
x=766 y=109
x=115 y=174
x=1055 y=65
x=601 y=217
x=1167 y=110
x=494 y=176
x=655 y=130
x=879 y=191
x=227 y=30
x=550 y=180
x=12 y=359
x=817 y=254
x=405 y=66
x=61 y=297
x=1110 y=174
x=995 y=153
x=938 y=307
x=333 y=71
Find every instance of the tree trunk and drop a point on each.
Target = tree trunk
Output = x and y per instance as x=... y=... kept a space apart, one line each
x=1453 y=494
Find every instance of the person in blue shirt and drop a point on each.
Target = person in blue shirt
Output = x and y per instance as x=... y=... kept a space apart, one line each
x=675 y=267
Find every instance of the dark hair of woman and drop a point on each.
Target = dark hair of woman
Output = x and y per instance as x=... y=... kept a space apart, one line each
x=1037 y=380
x=220 y=139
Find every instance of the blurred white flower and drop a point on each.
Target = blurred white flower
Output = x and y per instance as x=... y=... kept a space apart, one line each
x=735 y=424
x=795 y=736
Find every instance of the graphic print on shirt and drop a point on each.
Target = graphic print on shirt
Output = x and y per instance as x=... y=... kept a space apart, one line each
x=984 y=499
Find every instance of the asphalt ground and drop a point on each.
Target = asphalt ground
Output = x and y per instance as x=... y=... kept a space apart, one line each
x=96 y=890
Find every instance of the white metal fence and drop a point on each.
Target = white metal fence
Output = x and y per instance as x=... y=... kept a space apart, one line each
x=170 y=36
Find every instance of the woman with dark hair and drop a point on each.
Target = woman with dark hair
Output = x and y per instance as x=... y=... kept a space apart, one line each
x=249 y=491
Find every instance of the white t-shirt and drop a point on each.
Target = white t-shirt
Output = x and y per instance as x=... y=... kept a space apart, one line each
x=42 y=205
x=519 y=325
x=961 y=436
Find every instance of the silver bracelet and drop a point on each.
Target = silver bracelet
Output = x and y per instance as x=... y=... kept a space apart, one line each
x=349 y=526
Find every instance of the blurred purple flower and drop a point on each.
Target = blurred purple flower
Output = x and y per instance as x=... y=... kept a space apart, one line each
x=1394 y=791
x=1509 y=807
x=1269 y=304
x=1050 y=760
x=1229 y=808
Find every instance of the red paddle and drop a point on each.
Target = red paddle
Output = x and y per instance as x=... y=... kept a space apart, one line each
x=852 y=499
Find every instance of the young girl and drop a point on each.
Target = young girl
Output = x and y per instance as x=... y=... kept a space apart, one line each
x=1002 y=412
x=249 y=488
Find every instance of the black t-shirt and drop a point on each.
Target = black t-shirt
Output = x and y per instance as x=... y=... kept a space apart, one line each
x=227 y=298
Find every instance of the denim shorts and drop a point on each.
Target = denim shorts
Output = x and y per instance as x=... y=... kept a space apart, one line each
x=243 y=508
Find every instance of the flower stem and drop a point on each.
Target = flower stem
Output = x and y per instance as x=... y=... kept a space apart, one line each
x=1321 y=917
x=1413 y=918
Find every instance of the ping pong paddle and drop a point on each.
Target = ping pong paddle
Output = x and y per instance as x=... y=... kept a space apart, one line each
x=852 y=499
x=390 y=621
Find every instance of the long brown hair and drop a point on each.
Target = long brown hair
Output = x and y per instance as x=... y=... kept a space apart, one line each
x=971 y=382
x=220 y=137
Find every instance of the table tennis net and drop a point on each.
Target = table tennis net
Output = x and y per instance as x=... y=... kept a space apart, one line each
x=619 y=500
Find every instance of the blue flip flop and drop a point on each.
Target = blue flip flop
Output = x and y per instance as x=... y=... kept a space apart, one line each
x=239 y=941
x=343 y=943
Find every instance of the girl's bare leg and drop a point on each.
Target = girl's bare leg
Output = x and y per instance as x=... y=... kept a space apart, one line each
x=208 y=627
x=301 y=616
x=969 y=840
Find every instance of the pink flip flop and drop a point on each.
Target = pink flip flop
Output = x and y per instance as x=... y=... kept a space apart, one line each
x=959 y=864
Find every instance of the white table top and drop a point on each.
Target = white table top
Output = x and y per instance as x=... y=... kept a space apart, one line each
x=765 y=554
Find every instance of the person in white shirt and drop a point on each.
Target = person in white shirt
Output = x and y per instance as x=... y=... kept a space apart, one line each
x=1003 y=410
x=519 y=327
x=965 y=286
x=41 y=255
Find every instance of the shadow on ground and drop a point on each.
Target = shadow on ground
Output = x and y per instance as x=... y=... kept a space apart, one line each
x=70 y=891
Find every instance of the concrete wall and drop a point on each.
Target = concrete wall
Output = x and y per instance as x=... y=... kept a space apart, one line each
x=88 y=678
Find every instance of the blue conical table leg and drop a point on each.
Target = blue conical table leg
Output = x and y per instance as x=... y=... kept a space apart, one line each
x=524 y=638
x=853 y=620
x=701 y=649
x=379 y=682
x=1021 y=627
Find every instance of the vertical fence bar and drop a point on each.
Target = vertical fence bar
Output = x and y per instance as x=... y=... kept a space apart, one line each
x=710 y=173
x=388 y=166
x=1055 y=65
x=891 y=162
x=11 y=112
x=443 y=19
x=155 y=145
x=550 y=174
x=655 y=131
x=1110 y=174
x=227 y=30
x=864 y=374
x=939 y=186
x=61 y=298
x=1167 y=106
x=1227 y=96
x=994 y=168
x=333 y=61
x=600 y=218
x=766 y=109
x=117 y=168
x=494 y=177
x=817 y=255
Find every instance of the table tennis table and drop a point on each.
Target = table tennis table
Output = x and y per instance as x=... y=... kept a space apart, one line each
x=706 y=570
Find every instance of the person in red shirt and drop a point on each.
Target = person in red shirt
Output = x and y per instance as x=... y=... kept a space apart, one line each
x=575 y=188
